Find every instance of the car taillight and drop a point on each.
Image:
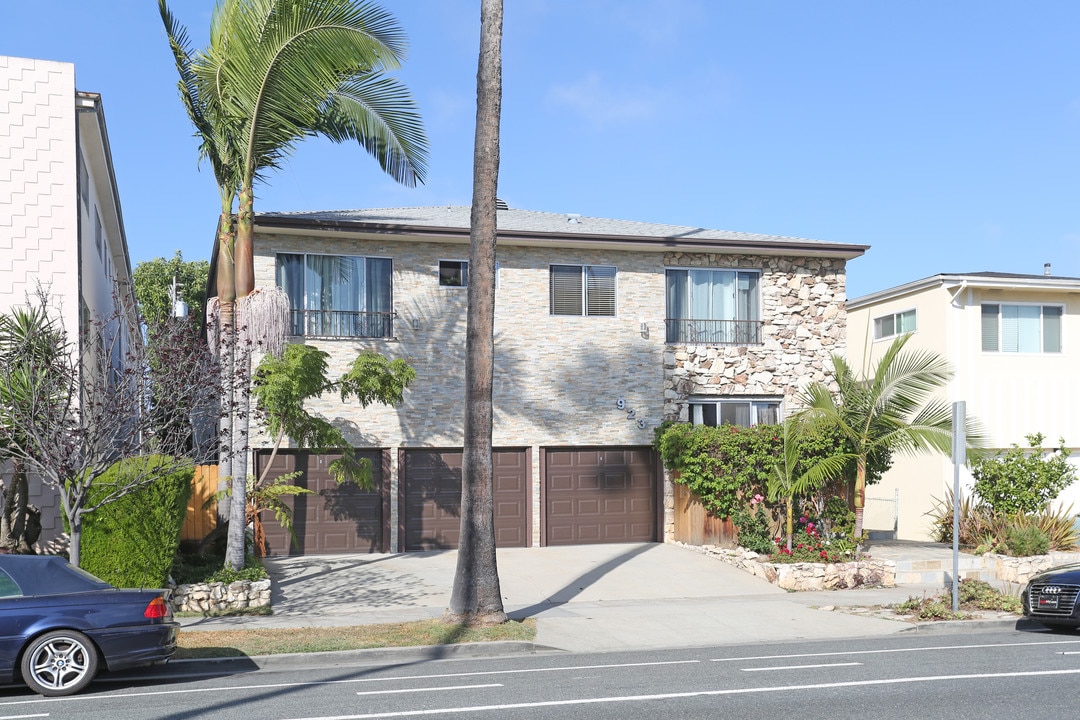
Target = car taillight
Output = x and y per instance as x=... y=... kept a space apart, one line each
x=156 y=609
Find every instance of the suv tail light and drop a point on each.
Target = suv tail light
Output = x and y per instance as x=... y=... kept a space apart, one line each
x=156 y=609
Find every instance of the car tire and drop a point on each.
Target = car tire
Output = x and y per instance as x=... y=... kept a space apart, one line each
x=61 y=662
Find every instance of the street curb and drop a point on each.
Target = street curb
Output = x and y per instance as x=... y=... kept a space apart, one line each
x=943 y=627
x=337 y=658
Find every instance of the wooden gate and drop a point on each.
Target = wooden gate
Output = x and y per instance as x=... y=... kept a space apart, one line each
x=201 y=516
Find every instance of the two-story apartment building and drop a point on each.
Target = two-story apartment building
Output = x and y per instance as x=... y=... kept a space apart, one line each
x=1012 y=342
x=603 y=330
x=61 y=228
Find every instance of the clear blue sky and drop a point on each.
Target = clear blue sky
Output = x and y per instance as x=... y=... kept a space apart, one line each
x=946 y=135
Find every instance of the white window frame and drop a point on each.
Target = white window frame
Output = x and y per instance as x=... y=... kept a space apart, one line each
x=895 y=315
x=756 y=402
x=585 y=309
x=1042 y=327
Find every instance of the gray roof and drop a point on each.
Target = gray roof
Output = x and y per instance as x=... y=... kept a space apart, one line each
x=987 y=279
x=531 y=225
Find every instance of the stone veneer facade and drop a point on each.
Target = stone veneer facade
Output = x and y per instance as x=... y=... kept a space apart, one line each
x=558 y=379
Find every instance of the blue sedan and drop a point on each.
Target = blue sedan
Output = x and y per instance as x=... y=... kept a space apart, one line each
x=59 y=625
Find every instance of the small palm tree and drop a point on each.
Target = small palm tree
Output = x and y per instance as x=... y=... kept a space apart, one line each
x=893 y=409
x=789 y=479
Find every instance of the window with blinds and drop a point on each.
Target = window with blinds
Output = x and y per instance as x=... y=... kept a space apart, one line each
x=582 y=290
x=745 y=412
x=1021 y=328
x=888 y=326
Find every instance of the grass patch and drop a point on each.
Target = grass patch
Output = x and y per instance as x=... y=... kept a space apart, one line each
x=274 y=641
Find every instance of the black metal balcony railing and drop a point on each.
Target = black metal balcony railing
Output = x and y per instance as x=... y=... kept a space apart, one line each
x=714 y=332
x=341 y=323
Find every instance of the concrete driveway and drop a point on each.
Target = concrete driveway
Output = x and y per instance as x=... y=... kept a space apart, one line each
x=585 y=598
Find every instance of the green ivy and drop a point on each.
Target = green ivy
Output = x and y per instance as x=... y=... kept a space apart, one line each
x=721 y=465
x=725 y=466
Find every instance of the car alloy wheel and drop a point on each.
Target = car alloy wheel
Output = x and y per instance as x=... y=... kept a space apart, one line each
x=61 y=662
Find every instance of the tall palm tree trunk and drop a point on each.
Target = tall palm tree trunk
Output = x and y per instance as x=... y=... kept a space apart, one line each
x=477 y=597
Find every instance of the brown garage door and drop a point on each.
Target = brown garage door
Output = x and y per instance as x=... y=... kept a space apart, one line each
x=599 y=495
x=338 y=518
x=431 y=504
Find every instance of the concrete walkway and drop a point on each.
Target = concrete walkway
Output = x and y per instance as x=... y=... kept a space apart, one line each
x=585 y=598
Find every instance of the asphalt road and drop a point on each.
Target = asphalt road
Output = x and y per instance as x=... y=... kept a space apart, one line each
x=976 y=675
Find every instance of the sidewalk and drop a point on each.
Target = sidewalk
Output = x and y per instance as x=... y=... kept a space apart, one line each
x=584 y=598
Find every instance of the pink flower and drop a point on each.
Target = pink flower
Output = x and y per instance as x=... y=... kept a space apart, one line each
x=802 y=519
x=809 y=526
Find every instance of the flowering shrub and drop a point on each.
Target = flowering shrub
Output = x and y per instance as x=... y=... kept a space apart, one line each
x=754 y=527
x=810 y=543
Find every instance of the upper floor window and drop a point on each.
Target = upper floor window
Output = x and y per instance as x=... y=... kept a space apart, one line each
x=1021 y=328
x=582 y=290
x=454 y=273
x=735 y=411
x=895 y=324
x=338 y=295
x=84 y=181
x=720 y=307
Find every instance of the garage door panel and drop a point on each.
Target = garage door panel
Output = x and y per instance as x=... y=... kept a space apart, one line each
x=595 y=495
x=338 y=518
x=432 y=506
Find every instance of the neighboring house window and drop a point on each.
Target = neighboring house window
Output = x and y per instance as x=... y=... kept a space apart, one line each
x=454 y=273
x=337 y=295
x=99 y=236
x=84 y=182
x=735 y=411
x=895 y=324
x=720 y=307
x=582 y=290
x=1021 y=328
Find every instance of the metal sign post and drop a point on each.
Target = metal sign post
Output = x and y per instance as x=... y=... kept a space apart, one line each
x=959 y=457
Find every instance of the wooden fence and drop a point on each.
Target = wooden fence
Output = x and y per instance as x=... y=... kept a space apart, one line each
x=201 y=518
x=694 y=526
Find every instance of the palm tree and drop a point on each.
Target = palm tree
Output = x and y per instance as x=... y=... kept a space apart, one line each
x=789 y=478
x=476 y=597
x=275 y=72
x=891 y=410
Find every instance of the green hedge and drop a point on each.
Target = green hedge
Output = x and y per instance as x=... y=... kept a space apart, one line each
x=132 y=541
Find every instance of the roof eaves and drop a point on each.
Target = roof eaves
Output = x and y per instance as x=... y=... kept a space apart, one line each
x=537 y=237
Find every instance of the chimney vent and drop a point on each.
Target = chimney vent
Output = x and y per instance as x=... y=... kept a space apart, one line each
x=573 y=218
x=1046 y=269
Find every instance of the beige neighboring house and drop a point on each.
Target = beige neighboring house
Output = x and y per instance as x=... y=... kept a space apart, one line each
x=603 y=330
x=1014 y=345
x=61 y=226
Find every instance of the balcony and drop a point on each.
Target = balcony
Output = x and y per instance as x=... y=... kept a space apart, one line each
x=341 y=323
x=713 y=332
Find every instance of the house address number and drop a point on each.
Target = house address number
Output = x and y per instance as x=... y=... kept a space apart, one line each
x=631 y=414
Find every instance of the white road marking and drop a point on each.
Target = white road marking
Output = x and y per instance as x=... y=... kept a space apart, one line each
x=675 y=696
x=427 y=689
x=20 y=717
x=895 y=650
x=316 y=683
x=799 y=667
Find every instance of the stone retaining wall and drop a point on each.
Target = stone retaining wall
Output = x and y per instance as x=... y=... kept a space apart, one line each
x=212 y=598
x=1021 y=569
x=806 y=576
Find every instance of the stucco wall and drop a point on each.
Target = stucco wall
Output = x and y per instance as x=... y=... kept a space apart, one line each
x=1010 y=394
